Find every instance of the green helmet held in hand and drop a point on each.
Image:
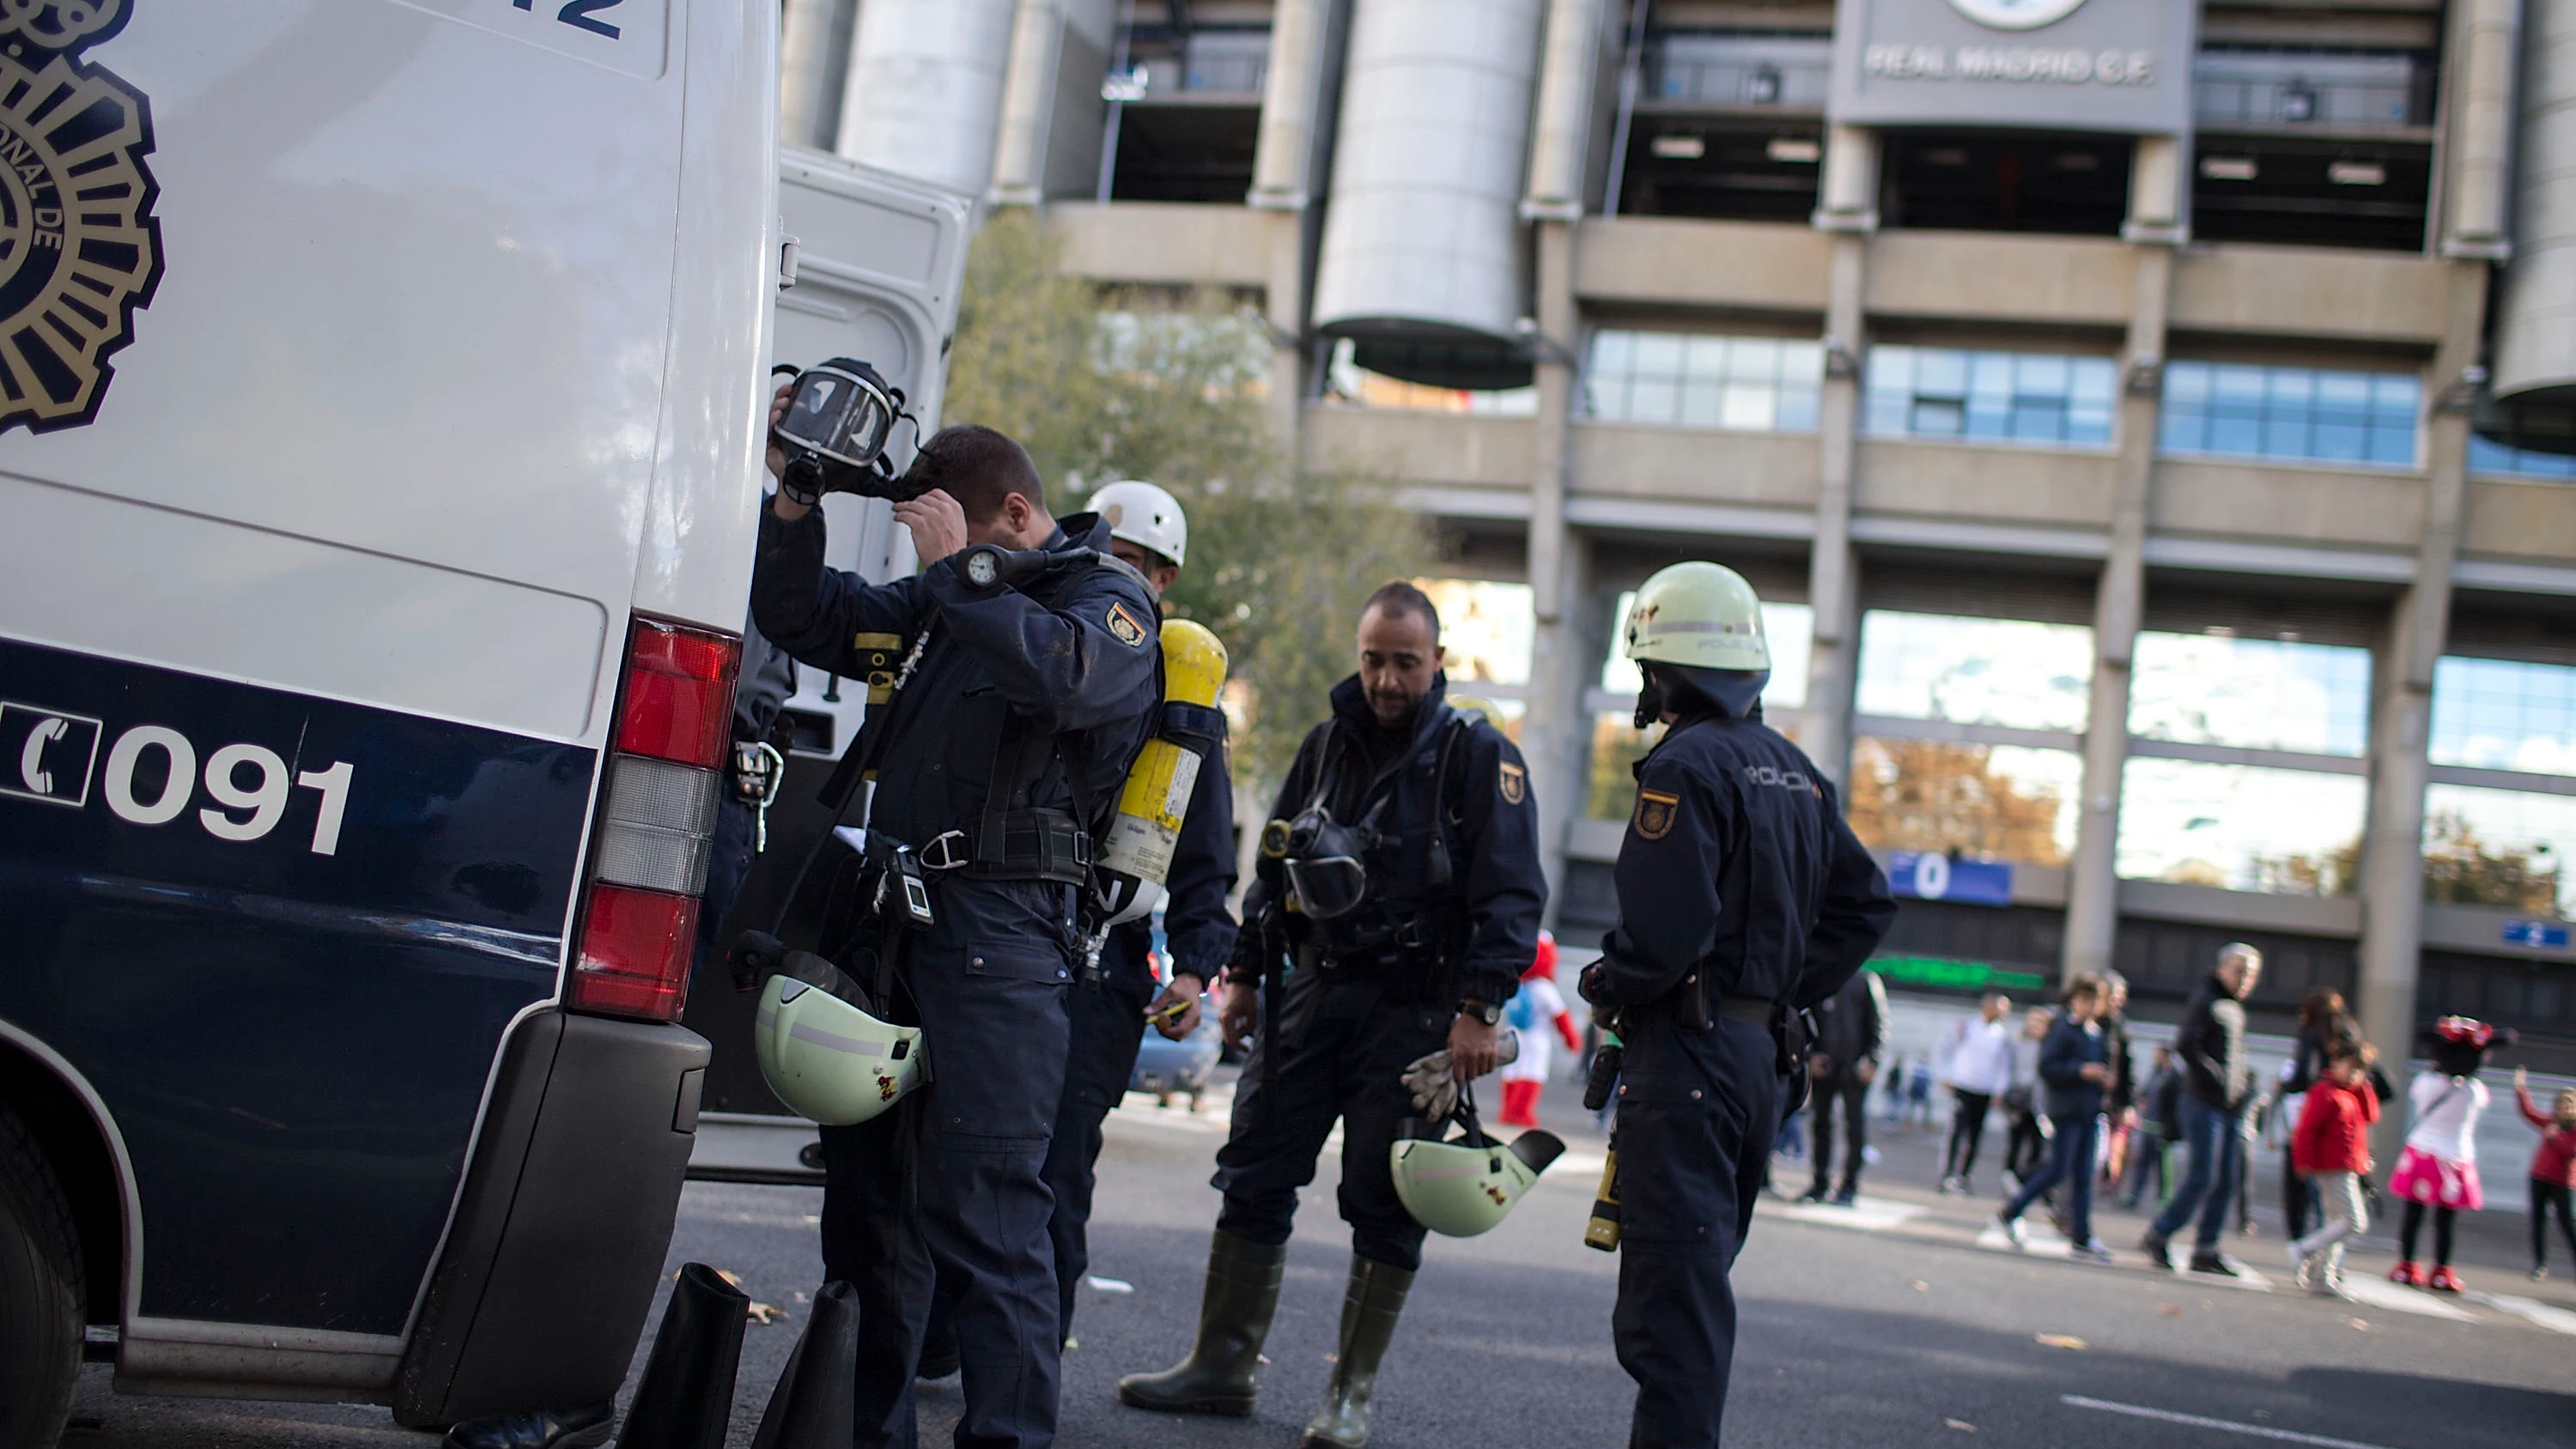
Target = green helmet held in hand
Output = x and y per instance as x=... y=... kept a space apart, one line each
x=1464 y=1185
x=1697 y=628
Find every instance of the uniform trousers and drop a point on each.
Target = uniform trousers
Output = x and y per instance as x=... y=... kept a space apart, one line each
x=1342 y=1051
x=950 y=1190
x=1697 y=1114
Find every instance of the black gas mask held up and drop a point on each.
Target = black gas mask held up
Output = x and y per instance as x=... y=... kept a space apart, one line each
x=840 y=415
x=1323 y=857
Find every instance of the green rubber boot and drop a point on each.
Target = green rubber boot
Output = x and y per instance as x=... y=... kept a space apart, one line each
x=1223 y=1371
x=1369 y=1311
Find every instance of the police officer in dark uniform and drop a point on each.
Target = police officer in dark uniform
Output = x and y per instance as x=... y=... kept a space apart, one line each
x=1743 y=898
x=1013 y=719
x=1406 y=836
x=1149 y=531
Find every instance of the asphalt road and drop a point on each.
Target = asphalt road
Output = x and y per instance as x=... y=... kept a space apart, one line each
x=1888 y=1326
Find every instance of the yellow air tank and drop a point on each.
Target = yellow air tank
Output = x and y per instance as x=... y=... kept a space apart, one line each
x=1156 y=797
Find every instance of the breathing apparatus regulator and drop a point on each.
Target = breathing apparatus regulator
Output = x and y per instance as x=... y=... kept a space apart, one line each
x=1324 y=860
x=822 y=1050
x=1461 y=1186
x=840 y=416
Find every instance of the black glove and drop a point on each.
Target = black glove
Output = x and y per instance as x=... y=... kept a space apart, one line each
x=1594 y=984
x=754 y=956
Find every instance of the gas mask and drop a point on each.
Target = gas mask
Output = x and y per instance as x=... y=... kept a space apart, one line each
x=1323 y=857
x=839 y=417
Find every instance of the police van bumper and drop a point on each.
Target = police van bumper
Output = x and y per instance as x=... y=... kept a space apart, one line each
x=550 y=1265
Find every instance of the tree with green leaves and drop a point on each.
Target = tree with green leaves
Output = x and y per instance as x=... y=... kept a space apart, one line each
x=1101 y=385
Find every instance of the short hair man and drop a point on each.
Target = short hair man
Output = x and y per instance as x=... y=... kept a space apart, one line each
x=2217 y=1088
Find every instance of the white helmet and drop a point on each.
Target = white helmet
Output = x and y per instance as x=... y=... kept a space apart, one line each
x=1146 y=516
x=824 y=1055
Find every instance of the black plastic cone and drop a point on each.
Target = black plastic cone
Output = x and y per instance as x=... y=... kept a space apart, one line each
x=810 y=1408
x=686 y=1398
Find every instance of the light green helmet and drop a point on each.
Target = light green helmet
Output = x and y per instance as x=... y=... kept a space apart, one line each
x=1463 y=1186
x=826 y=1058
x=1698 y=616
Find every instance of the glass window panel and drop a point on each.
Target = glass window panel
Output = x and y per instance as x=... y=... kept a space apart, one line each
x=1708 y=406
x=2241 y=827
x=2094 y=380
x=2256 y=694
x=2393 y=445
x=1617 y=746
x=1994 y=802
x=2017 y=673
x=1613 y=350
x=2507 y=848
x=2491 y=458
x=2039 y=421
x=1884 y=416
x=1802 y=362
x=1752 y=358
x=2339 y=442
x=1939 y=372
x=2397 y=392
x=2236 y=433
x=1990 y=376
x=1988 y=417
x=2036 y=376
x=2503 y=714
x=1659 y=354
x=2088 y=424
x=1798 y=408
x=1705 y=358
x=1653 y=399
x=1486 y=629
x=2242 y=385
x=1936 y=419
x=2186 y=382
x=1750 y=407
x=1891 y=370
x=2182 y=430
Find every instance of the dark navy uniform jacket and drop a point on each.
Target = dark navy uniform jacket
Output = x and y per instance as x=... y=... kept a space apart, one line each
x=1738 y=846
x=1085 y=670
x=1496 y=892
x=1196 y=929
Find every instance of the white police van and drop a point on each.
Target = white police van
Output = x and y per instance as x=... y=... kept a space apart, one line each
x=381 y=395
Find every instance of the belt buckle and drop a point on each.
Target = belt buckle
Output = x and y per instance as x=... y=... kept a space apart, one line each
x=942 y=851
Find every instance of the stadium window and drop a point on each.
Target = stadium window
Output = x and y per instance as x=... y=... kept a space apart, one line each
x=2298 y=414
x=2030 y=399
x=2257 y=694
x=2241 y=827
x=2012 y=673
x=1697 y=380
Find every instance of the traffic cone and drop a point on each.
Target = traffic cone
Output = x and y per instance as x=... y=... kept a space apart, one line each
x=686 y=1398
x=811 y=1407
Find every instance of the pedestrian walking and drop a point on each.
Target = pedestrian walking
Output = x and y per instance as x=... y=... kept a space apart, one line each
x=1918 y=1095
x=1894 y=1091
x=2025 y=1116
x=2074 y=1063
x=2437 y=1174
x=1538 y=1017
x=2120 y=1097
x=1976 y=1064
x=1407 y=840
x=2553 y=1170
x=1841 y=1067
x=1743 y=898
x=2218 y=1087
x=2331 y=1147
x=2159 y=1106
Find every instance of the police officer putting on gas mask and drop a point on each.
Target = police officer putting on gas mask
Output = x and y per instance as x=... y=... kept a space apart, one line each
x=1027 y=677
x=1149 y=531
x=1400 y=872
x=1743 y=900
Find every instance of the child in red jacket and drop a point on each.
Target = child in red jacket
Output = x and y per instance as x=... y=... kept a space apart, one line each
x=2553 y=1171
x=2332 y=1146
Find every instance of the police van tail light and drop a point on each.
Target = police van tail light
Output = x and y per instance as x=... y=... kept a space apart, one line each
x=656 y=822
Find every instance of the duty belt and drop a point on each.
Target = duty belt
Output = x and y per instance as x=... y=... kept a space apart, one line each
x=1754 y=1009
x=1036 y=845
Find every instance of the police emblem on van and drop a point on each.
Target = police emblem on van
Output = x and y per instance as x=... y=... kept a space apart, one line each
x=79 y=248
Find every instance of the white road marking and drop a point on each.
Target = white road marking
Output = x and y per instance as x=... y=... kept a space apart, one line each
x=2557 y=1319
x=2037 y=1241
x=2224 y=1426
x=2380 y=1293
x=1867 y=1215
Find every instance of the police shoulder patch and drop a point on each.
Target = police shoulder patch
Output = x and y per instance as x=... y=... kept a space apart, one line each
x=1513 y=781
x=1124 y=625
x=1655 y=813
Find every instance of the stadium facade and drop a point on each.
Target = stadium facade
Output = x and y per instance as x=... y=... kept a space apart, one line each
x=2155 y=423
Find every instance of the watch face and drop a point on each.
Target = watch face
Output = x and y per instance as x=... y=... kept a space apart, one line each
x=2016 y=14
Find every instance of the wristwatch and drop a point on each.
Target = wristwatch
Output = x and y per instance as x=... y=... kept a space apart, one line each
x=1484 y=1011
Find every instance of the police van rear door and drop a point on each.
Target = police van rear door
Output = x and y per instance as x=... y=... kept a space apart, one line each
x=879 y=260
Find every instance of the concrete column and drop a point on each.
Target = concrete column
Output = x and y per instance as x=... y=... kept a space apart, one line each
x=1283 y=157
x=923 y=95
x=2392 y=871
x=1552 y=732
x=1850 y=211
x=813 y=54
x=2485 y=40
x=1028 y=103
x=2092 y=883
